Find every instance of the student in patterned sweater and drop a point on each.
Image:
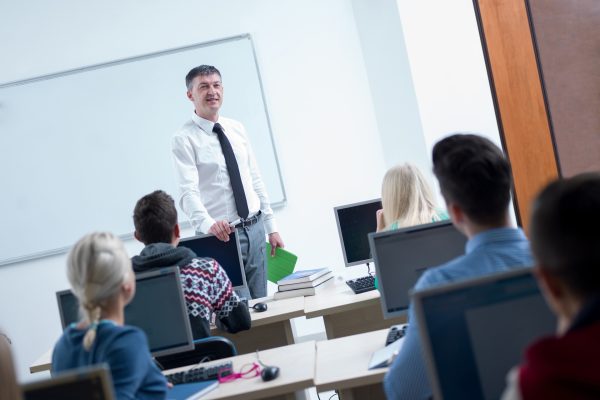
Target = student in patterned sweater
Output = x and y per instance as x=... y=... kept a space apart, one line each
x=206 y=287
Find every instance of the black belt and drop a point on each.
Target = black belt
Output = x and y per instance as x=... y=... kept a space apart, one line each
x=248 y=221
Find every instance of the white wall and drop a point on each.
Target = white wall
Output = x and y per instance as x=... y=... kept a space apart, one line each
x=316 y=88
x=448 y=68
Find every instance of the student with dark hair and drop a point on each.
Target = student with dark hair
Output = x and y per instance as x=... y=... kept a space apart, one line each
x=565 y=238
x=206 y=287
x=475 y=181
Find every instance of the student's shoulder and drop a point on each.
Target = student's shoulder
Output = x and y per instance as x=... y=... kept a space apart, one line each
x=446 y=273
x=201 y=265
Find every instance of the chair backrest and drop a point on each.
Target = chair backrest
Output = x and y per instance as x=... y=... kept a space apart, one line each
x=92 y=382
x=207 y=349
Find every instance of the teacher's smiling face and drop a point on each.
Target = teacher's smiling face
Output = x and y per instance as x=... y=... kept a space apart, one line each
x=207 y=95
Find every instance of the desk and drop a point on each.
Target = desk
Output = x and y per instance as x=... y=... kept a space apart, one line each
x=342 y=365
x=346 y=313
x=297 y=372
x=270 y=329
x=43 y=363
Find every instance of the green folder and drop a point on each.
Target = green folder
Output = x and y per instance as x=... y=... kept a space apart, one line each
x=281 y=265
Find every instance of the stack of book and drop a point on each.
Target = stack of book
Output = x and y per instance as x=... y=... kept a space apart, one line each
x=302 y=283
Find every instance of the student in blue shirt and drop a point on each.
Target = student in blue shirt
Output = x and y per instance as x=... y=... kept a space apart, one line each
x=475 y=181
x=99 y=271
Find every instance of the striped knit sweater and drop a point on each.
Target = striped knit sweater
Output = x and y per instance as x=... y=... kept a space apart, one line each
x=206 y=287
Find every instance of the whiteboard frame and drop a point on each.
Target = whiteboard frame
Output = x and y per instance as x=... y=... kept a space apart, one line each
x=183 y=224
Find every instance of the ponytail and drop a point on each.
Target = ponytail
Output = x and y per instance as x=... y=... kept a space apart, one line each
x=97 y=266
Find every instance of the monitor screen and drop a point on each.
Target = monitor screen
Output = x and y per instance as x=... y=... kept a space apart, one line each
x=355 y=222
x=93 y=383
x=402 y=255
x=158 y=308
x=483 y=325
x=228 y=254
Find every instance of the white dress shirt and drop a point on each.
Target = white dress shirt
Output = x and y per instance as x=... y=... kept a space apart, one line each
x=205 y=189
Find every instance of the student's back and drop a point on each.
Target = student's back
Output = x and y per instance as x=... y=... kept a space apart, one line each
x=206 y=286
x=566 y=243
x=124 y=348
x=103 y=281
x=475 y=182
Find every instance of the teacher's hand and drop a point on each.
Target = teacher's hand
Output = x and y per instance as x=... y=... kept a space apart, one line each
x=276 y=242
x=221 y=230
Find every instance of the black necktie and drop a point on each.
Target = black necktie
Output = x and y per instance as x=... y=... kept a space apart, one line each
x=234 y=172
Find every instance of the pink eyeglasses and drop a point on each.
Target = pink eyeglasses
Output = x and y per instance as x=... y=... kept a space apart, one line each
x=247 y=371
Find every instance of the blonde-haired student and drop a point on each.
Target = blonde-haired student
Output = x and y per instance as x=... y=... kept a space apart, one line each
x=407 y=199
x=99 y=271
x=9 y=388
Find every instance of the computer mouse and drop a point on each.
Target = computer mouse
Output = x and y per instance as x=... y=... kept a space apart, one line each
x=269 y=373
x=260 y=307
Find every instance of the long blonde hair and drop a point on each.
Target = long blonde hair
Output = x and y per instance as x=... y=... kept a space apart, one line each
x=406 y=197
x=97 y=267
x=9 y=388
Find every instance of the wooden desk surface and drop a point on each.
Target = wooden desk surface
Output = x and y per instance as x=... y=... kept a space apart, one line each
x=343 y=363
x=337 y=297
x=297 y=372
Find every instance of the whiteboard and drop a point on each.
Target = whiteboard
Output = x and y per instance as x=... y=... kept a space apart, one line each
x=79 y=148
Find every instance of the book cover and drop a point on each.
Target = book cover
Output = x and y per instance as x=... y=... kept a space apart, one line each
x=309 y=284
x=311 y=291
x=281 y=265
x=303 y=276
x=191 y=391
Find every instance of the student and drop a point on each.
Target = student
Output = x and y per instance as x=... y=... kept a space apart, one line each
x=475 y=182
x=407 y=199
x=9 y=388
x=206 y=287
x=100 y=274
x=565 y=239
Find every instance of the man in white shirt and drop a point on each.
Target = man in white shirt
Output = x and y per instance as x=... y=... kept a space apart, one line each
x=220 y=185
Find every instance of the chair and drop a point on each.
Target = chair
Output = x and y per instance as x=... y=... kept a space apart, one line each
x=207 y=349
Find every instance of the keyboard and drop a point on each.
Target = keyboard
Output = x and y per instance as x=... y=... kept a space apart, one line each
x=362 y=284
x=200 y=374
x=396 y=332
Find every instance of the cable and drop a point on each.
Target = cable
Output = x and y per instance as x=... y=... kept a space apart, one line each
x=369 y=269
x=335 y=394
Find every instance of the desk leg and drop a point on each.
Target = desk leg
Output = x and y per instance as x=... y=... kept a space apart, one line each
x=371 y=392
x=361 y=320
x=262 y=337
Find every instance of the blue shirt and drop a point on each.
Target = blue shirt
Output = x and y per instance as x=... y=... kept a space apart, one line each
x=486 y=253
x=124 y=348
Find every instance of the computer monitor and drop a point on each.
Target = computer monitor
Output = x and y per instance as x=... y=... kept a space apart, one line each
x=228 y=254
x=158 y=308
x=474 y=332
x=92 y=383
x=355 y=222
x=402 y=255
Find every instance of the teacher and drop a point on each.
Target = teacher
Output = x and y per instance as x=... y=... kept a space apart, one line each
x=220 y=185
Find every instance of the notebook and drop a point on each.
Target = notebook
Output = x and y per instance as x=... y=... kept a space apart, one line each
x=191 y=391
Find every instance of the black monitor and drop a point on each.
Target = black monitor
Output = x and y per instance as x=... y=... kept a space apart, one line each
x=474 y=332
x=228 y=254
x=92 y=383
x=355 y=222
x=402 y=255
x=158 y=308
